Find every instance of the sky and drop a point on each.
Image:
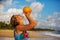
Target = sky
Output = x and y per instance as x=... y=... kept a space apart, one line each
x=45 y=12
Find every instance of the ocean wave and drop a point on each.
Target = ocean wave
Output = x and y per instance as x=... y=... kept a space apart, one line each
x=52 y=34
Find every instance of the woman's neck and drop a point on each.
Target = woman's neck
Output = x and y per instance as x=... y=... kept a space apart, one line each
x=21 y=23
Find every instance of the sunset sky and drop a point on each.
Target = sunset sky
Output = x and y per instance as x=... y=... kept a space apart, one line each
x=45 y=12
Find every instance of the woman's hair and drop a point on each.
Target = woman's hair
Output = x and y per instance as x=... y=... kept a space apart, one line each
x=13 y=21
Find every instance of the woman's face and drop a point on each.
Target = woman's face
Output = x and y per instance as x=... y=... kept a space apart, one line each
x=19 y=18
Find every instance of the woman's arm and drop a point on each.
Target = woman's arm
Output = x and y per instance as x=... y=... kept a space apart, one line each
x=32 y=23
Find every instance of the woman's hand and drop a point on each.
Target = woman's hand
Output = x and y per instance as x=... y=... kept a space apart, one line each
x=27 y=11
x=27 y=14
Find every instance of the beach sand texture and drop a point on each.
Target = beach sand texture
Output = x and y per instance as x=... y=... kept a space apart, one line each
x=10 y=33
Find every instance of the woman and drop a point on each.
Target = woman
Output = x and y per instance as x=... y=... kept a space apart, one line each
x=17 y=22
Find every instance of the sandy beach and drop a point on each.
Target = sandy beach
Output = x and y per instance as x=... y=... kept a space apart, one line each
x=34 y=35
x=10 y=33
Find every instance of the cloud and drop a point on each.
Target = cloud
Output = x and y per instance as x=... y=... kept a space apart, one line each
x=31 y=0
x=36 y=6
x=5 y=16
x=57 y=17
x=51 y=21
x=6 y=2
x=14 y=11
x=2 y=5
x=1 y=8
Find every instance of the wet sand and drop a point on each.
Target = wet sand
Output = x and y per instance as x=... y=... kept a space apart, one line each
x=49 y=38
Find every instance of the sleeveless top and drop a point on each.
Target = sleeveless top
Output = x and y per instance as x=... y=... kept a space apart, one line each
x=18 y=36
